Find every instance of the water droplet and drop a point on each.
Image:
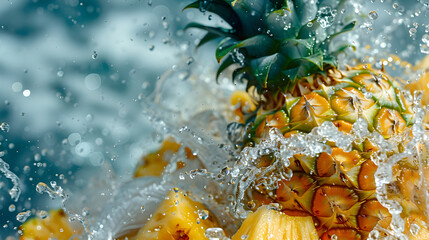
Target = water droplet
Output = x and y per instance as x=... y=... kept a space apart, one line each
x=93 y=81
x=26 y=93
x=189 y=61
x=37 y=157
x=4 y=127
x=395 y=5
x=23 y=216
x=42 y=214
x=414 y=229
x=94 y=55
x=373 y=15
x=214 y=234
x=74 y=139
x=17 y=87
x=203 y=214
x=12 y=208
x=412 y=31
x=326 y=16
x=425 y=39
x=152 y=47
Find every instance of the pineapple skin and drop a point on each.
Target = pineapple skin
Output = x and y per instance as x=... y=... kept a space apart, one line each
x=339 y=189
x=177 y=218
x=55 y=226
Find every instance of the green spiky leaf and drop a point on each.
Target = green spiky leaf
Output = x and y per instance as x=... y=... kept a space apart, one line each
x=264 y=46
x=221 y=32
x=207 y=38
x=342 y=48
x=280 y=4
x=263 y=69
x=316 y=59
x=225 y=64
x=347 y=28
x=220 y=8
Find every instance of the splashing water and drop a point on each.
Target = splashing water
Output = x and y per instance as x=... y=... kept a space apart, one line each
x=15 y=191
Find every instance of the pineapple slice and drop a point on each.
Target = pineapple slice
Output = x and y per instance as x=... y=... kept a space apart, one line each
x=153 y=164
x=269 y=224
x=177 y=218
x=55 y=226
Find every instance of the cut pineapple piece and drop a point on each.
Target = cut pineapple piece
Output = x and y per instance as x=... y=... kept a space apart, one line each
x=177 y=218
x=55 y=226
x=269 y=224
x=153 y=164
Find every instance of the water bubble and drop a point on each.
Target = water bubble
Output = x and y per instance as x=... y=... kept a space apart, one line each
x=395 y=5
x=23 y=216
x=425 y=39
x=17 y=87
x=334 y=237
x=83 y=149
x=414 y=229
x=26 y=93
x=4 y=127
x=42 y=214
x=12 y=208
x=203 y=214
x=93 y=81
x=152 y=47
x=190 y=61
x=37 y=157
x=74 y=139
x=326 y=16
x=60 y=73
x=373 y=15
x=94 y=55
x=214 y=234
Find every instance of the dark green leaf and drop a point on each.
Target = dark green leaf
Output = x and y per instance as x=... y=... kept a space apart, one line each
x=220 y=8
x=207 y=38
x=225 y=64
x=224 y=47
x=280 y=4
x=263 y=70
x=316 y=59
x=222 y=32
x=342 y=48
x=265 y=45
x=347 y=28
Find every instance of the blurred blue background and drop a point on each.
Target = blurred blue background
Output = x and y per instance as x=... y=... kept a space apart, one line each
x=73 y=73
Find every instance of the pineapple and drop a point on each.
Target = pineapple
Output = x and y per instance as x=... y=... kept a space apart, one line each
x=296 y=85
x=269 y=224
x=153 y=164
x=177 y=218
x=55 y=226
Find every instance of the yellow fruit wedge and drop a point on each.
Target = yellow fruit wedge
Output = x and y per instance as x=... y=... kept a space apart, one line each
x=153 y=164
x=177 y=218
x=55 y=226
x=269 y=224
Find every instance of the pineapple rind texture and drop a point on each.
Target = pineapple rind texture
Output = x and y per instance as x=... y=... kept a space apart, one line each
x=269 y=224
x=177 y=218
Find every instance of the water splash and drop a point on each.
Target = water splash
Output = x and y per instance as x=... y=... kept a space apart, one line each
x=15 y=191
x=56 y=191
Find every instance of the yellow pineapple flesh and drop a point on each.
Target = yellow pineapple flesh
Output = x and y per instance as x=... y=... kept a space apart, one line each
x=55 y=226
x=177 y=218
x=153 y=164
x=269 y=224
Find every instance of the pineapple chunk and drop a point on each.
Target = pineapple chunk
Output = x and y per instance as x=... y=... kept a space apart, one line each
x=268 y=224
x=55 y=226
x=177 y=218
x=153 y=164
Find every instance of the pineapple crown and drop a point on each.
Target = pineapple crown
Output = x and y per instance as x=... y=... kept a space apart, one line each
x=276 y=42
